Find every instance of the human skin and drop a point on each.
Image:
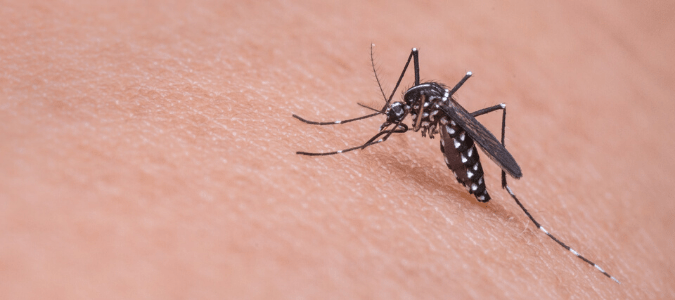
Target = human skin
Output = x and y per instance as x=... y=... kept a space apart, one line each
x=147 y=150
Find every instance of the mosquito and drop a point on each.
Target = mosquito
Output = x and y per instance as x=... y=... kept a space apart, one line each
x=433 y=110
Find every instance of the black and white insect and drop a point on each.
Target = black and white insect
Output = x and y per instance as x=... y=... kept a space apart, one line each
x=434 y=110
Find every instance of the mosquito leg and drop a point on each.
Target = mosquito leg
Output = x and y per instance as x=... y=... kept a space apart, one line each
x=557 y=240
x=416 y=62
x=459 y=84
x=508 y=189
x=370 y=142
x=336 y=122
x=490 y=109
x=413 y=55
x=503 y=142
x=337 y=152
x=403 y=129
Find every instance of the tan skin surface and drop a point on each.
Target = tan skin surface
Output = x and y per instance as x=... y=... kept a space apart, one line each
x=147 y=151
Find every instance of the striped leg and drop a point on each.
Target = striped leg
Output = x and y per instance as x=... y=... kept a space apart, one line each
x=508 y=189
x=335 y=122
x=402 y=129
x=557 y=240
x=490 y=109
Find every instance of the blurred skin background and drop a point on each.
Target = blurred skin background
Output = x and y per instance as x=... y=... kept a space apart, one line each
x=147 y=150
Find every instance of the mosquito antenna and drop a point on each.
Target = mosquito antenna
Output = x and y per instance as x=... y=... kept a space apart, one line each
x=555 y=239
x=372 y=63
x=368 y=107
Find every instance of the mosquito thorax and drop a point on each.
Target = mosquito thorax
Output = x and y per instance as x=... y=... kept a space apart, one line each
x=425 y=101
x=432 y=91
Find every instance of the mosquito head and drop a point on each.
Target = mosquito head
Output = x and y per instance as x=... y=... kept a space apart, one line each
x=396 y=112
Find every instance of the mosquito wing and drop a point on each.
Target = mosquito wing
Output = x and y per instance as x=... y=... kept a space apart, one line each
x=483 y=137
